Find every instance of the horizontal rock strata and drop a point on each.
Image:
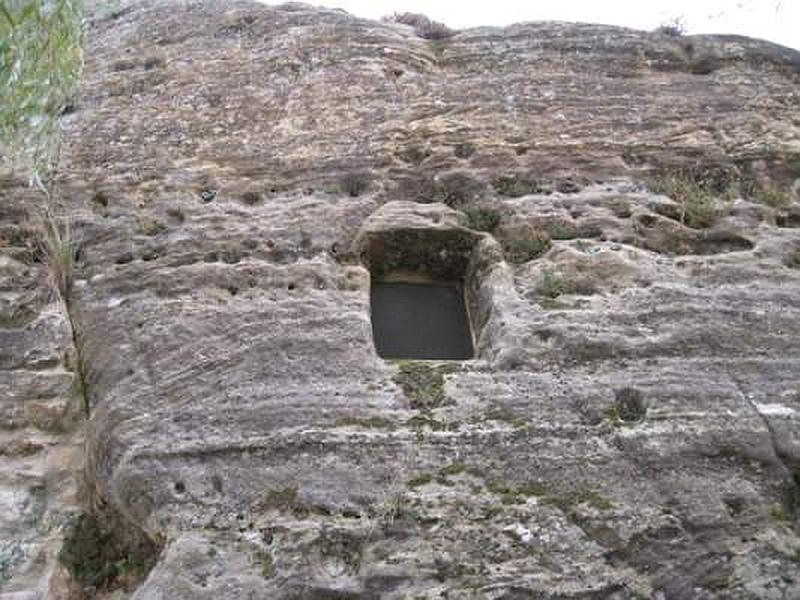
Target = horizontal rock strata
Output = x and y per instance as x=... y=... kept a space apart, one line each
x=623 y=209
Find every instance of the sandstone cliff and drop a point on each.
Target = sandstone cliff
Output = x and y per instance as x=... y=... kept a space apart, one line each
x=236 y=174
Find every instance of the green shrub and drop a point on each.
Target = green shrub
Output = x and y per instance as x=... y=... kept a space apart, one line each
x=520 y=250
x=561 y=231
x=482 y=218
x=698 y=204
x=773 y=196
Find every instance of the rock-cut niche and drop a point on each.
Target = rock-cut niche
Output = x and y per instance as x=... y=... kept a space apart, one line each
x=420 y=299
x=420 y=320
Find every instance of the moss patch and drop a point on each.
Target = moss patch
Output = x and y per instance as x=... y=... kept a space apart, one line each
x=516 y=186
x=425 y=420
x=501 y=414
x=279 y=499
x=421 y=383
x=99 y=557
x=265 y=563
x=366 y=422
x=420 y=480
x=514 y=494
x=568 y=501
x=779 y=514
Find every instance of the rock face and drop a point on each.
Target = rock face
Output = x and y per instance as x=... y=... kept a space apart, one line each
x=622 y=208
x=40 y=439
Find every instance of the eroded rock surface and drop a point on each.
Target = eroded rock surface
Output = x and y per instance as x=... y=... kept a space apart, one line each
x=629 y=428
x=41 y=446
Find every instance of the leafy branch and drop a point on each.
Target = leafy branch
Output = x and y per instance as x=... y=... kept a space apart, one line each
x=40 y=63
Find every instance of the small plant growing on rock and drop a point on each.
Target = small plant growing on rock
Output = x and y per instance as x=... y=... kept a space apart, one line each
x=420 y=480
x=779 y=513
x=456 y=189
x=561 y=231
x=516 y=186
x=459 y=189
x=422 y=384
x=437 y=48
x=698 y=205
x=265 y=563
x=464 y=150
x=552 y=285
x=150 y=226
x=521 y=249
x=280 y=499
x=773 y=196
x=482 y=218
x=629 y=405
x=354 y=184
x=96 y=558
x=58 y=248
x=675 y=27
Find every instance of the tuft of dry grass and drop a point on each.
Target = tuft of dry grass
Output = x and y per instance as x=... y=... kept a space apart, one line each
x=698 y=204
x=58 y=248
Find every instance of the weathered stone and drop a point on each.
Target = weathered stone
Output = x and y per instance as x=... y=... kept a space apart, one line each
x=238 y=173
x=40 y=449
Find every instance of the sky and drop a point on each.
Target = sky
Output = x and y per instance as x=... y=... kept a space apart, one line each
x=774 y=20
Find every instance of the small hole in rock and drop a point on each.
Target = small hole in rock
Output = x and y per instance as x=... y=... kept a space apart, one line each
x=101 y=199
x=251 y=198
x=648 y=221
x=180 y=487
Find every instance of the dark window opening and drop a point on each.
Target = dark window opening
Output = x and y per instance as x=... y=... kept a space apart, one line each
x=426 y=321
